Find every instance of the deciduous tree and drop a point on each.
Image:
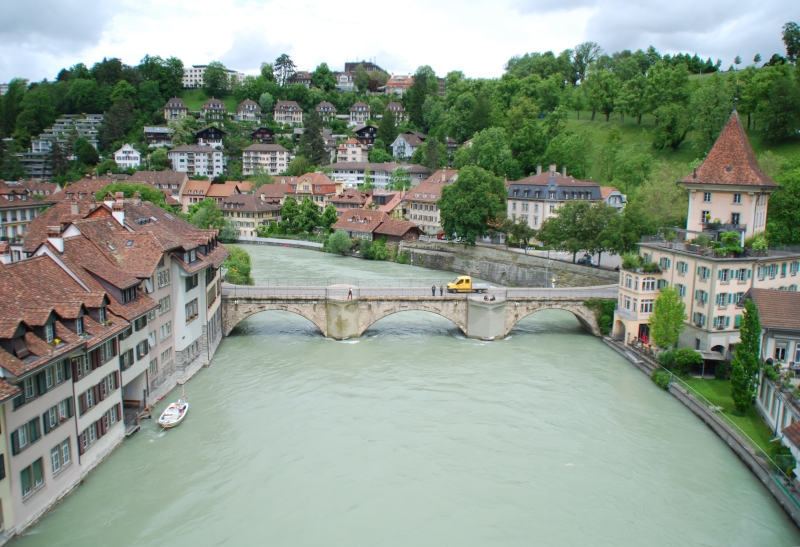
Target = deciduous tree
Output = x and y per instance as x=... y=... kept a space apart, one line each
x=329 y=218
x=339 y=242
x=668 y=318
x=283 y=69
x=745 y=363
x=323 y=78
x=215 y=79
x=473 y=203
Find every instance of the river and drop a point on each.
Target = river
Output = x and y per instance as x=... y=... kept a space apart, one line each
x=415 y=435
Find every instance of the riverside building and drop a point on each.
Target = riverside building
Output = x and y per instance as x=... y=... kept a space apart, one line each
x=727 y=193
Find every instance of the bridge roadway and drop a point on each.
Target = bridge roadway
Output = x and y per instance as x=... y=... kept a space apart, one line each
x=488 y=316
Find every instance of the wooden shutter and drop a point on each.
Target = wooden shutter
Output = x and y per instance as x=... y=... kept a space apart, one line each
x=46 y=422
x=95 y=358
x=70 y=408
x=98 y=393
x=74 y=368
x=67 y=371
x=82 y=403
x=114 y=346
x=15 y=443
x=41 y=381
x=119 y=412
x=80 y=444
x=101 y=427
x=116 y=379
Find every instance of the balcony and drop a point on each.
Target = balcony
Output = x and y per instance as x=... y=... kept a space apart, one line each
x=681 y=244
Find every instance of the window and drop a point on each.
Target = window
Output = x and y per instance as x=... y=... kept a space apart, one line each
x=25 y=435
x=79 y=325
x=646 y=306
x=706 y=216
x=737 y=198
x=30 y=388
x=31 y=478
x=627 y=302
x=142 y=349
x=140 y=323
x=163 y=278
x=166 y=356
x=126 y=333
x=682 y=267
x=681 y=289
x=665 y=263
x=128 y=295
x=166 y=330
x=165 y=304
x=722 y=275
x=649 y=284
x=703 y=273
x=153 y=368
x=126 y=359
x=190 y=256
x=191 y=282
x=191 y=310
x=699 y=319
x=706 y=196
x=49 y=332
x=780 y=352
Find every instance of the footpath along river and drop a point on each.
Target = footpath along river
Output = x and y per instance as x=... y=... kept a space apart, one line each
x=414 y=435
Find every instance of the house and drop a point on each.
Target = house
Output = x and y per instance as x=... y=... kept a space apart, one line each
x=127 y=156
x=223 y=190
x=538 y=197
x=399 y=112
x=728 y=185
x=214 y=109
x=175 y=110
x=366 y=134
x=613 y=197
x=373 y=225
x=210 y=136
x=315 y=186
x=288 y=113
x=194 y=159
x=248 y=111
x=37 y=161
x=389 y=202
x=330 y=145
x=344 y=81
x=352 y=151
x=404 y=145
x=421 y=201
x=18 y=207
x=398 y=84
x=194 y=192
x=369 y=66
x=359 y=114
x=264 y=158
x=157 y=136
x=248 y=211
x=451 y=145
x=352 y=173
x=326 y=111
x=350 y=198
x=171 y=183
x=301 y=77
x=262 y=134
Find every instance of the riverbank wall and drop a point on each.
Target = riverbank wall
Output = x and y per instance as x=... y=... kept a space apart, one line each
x=505 y=267
x=755 y=463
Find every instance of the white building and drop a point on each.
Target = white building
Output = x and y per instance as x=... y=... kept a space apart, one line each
x=193 y=76
x=265 y=158
x=404 y=145
x=128 y=156
x=194 y=159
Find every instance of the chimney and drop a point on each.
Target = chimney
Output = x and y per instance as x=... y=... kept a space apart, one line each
x=54 y=237
x=694 y=174
x=564 y=171
x=539 y=169
x=137 y=198
x=75 y=208
x=108 y=173
x=118 y=209
x=119 y=197
x=552 y=169
x=444 y=174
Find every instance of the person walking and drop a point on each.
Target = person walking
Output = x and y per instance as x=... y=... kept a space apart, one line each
x=441 y=290
x=433 y=290
x=349 y=294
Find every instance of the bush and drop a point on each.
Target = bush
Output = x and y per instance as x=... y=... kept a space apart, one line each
x=338 y=242
x=650 y=267
x=661 y=378
x=723 y=370
x=404 y=257
x=603 y=313
x=771 y=373
x=605 y=323
x=667 y=359
x=631 y=261
x=685 y=359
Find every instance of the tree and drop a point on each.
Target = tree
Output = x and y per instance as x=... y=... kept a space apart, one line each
x=367 y=180
x=431 y=153
x=118 y=120
x=86 y=153
x=399 y=180
x=339 y=242
x=37 y=112
x=299 y=166
x=289 y=213
x=323 y=78
x=783 y=219
x=229 y=232
x=216 y=79
x=710 y=108
x=745 y=363
x=387 y=131
x=312 y=146
x=491 y=152
x=602 y=90
x=597 y=220
x=673 y=126
x=266 y=102
x=284 y=68
x=148 y=193
x=473 y=203
x=308 y=217
x=238 y=265
x=123 y=90
x=583 y=55
x=58 y=158
x=663 y=201
x=418 y=93
x=159 y=160
x=791 y=38
x=625 y=230
x=737 y=61
x=361 y=78
x=329 y=217
x=379 y=155
x=571 y=150
x=568 y=230
x=668 y=318
x=757 y=58
x=782 y=116
x=206 y=215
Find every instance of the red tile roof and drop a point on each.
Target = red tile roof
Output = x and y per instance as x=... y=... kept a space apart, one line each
x=730 y=161
x=360 y=220
x=776 y=309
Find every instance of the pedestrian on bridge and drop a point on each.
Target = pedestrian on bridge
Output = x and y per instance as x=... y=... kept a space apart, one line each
x=441 y=290
x=349 y=294
x=433 y=290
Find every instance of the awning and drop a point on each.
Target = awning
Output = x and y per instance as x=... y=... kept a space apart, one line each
x=712 y=356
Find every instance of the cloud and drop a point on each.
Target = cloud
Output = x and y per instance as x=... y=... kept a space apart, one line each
x=52 y=26
x=251 y=48
x=548 y=6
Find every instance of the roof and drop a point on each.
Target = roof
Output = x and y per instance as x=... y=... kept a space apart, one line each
x=606 y=191
x=776 y=309
x=730 y=161
x=395 y=106
x=400 y=80
x=161 y=177
x=360 y=220
x=249 y=203
x=396 y=199
x=195 y=148
x=359 y=104
x=60 y=215
x=247 y=102
x=442 y=175
x=175 y=100
x=326 y=105
x=428 y=191
x=265 y=148
x=412 y=139
x=215 y=104
x=84 y=189
x=196 y=187
x=223 y=190
x=792 y=434
x=396 y=227
x=8 y=391
x=554 y=177
x=350 y=195
x=211 y=128
x=287 y=105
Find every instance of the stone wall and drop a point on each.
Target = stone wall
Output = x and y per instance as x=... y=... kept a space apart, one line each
x=505 y=267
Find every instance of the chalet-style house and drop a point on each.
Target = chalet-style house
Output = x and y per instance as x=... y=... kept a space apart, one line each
x=399 y=112
x=175 y=110
x=157 y=136
x=366 y=134
x=262 y=134
x=248 y=111
x=288 y=113
x=210 y=136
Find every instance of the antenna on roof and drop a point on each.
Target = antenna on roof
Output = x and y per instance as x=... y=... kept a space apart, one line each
x=735 y=103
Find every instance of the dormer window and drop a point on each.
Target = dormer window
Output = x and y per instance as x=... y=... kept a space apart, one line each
x=49 y=332
x=102 y=314
x=128 y=295
x=79 y=325
x=190 y=256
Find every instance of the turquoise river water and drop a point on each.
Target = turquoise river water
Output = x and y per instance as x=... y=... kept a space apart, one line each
x=415 y=435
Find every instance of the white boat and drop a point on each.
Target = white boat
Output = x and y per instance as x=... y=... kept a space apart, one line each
x=173 y=414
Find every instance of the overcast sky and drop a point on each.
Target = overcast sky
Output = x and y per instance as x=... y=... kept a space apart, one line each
x=39 y=37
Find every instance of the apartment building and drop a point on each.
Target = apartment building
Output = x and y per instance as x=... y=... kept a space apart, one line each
x=326 y=111
x=288 y=113
x=37 y=161
x=538 y=197
x=421 y=201
x=193 y=76
x=20 y=203
x=265 y=158
x=194 y=159
x=128 y=157
x=728 y=185
x=175 y=110
x=359 y=114
x=248 y=111
x=352 y=151
x=248 y=211
x=352 y=173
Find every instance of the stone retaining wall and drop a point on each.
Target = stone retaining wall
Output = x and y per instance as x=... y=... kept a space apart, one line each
x=505 y=267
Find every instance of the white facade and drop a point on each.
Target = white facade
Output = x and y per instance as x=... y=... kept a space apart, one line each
x=128 y=156
x=197 y=160
x=265 y=158
x=193 y=76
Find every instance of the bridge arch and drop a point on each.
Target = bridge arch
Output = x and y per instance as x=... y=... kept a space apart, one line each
x=453 y=311
x=585 y=316
x=233 y=314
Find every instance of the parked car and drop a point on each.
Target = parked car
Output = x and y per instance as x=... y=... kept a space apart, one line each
x=587 y=260
x=440 y=235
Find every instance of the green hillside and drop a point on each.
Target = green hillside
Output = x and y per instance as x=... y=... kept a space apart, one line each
x=194 y=99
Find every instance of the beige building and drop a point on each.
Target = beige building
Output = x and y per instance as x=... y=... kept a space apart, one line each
x=359 y=114
x=352 y=151
x=248 y=211
x=175 y=110
x=288 y=113
x=265 y=158
x=710 y=282
x=420 y=203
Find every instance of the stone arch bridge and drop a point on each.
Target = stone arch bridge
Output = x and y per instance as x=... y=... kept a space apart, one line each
x=342 y=312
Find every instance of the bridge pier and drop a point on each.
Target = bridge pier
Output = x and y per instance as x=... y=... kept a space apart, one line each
x=342 y=319
x=486 y=319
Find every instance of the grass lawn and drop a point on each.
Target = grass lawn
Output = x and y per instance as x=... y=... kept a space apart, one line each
x=719 y=393
x=194 y=99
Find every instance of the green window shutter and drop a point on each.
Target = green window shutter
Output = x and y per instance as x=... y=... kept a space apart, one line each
x=15 y=443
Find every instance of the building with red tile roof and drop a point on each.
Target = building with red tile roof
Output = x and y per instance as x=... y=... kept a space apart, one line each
x=373 y=225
